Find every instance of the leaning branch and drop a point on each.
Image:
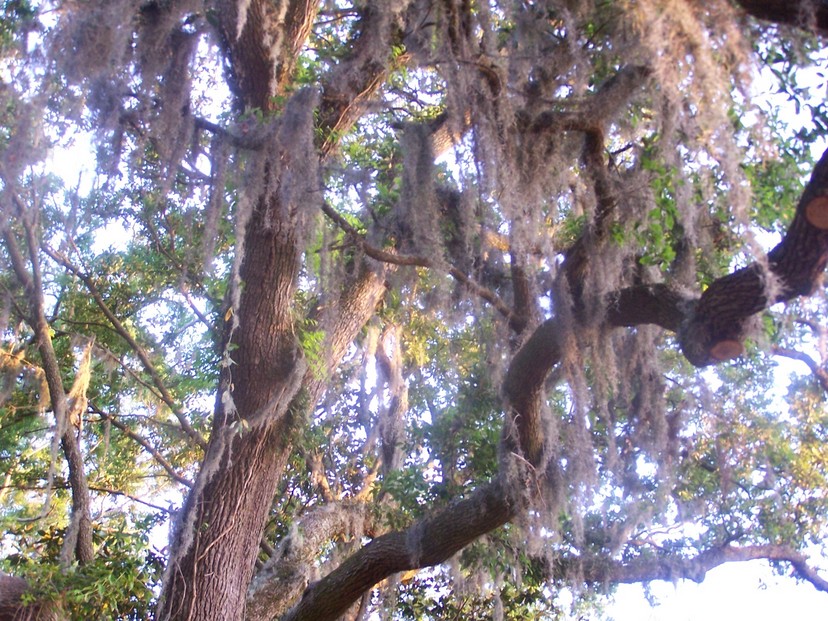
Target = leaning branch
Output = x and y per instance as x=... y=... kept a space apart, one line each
x=157 y=456
x=78 y=541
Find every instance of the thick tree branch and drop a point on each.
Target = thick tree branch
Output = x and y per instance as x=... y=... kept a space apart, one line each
x=286 y=574
x=807 y=14
x=793 y=269
x=425 y=543
x=262 y=39
x=797 y=262
x=658 y=304
x=357 y=77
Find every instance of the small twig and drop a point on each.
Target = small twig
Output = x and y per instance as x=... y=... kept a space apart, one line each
x=115 y=492
x=157 y=456
x=392 y=258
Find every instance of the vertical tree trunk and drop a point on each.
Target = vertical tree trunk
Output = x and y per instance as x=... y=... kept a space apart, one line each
x=267 y=388
x=221 y=525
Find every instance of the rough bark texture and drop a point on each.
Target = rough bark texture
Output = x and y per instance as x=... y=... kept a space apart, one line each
x=217 y=541
x=223 y=519
x=457 y=525
x=427 y=542
x=793 y=269
x=12 y=590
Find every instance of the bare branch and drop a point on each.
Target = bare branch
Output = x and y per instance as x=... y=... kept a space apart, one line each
x=647 y=569
x=819 y=373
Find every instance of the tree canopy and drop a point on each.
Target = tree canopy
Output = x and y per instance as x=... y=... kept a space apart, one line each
x=410 y=308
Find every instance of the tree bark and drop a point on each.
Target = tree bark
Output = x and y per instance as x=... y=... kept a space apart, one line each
x=797 y=261
x=12 y=591
x=77 y=545
x=427 y=542
x=793 y=268
x=221 y=524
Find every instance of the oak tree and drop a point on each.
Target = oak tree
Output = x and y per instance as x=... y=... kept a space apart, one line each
x=420 y=307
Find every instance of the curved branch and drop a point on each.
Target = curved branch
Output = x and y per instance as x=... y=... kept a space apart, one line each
x=427 y=542
x=793 y=268
x=820 y=374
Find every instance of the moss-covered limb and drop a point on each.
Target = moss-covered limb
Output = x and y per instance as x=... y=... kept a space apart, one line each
x=347 y=89
x=792 y=269
x=262 y=40
x=710 y=330
x=286 y=575
x=658 y=304
x=523 y=388
x=435 y=539
x=425 y=543
x=665 y=567
x=591 y=119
